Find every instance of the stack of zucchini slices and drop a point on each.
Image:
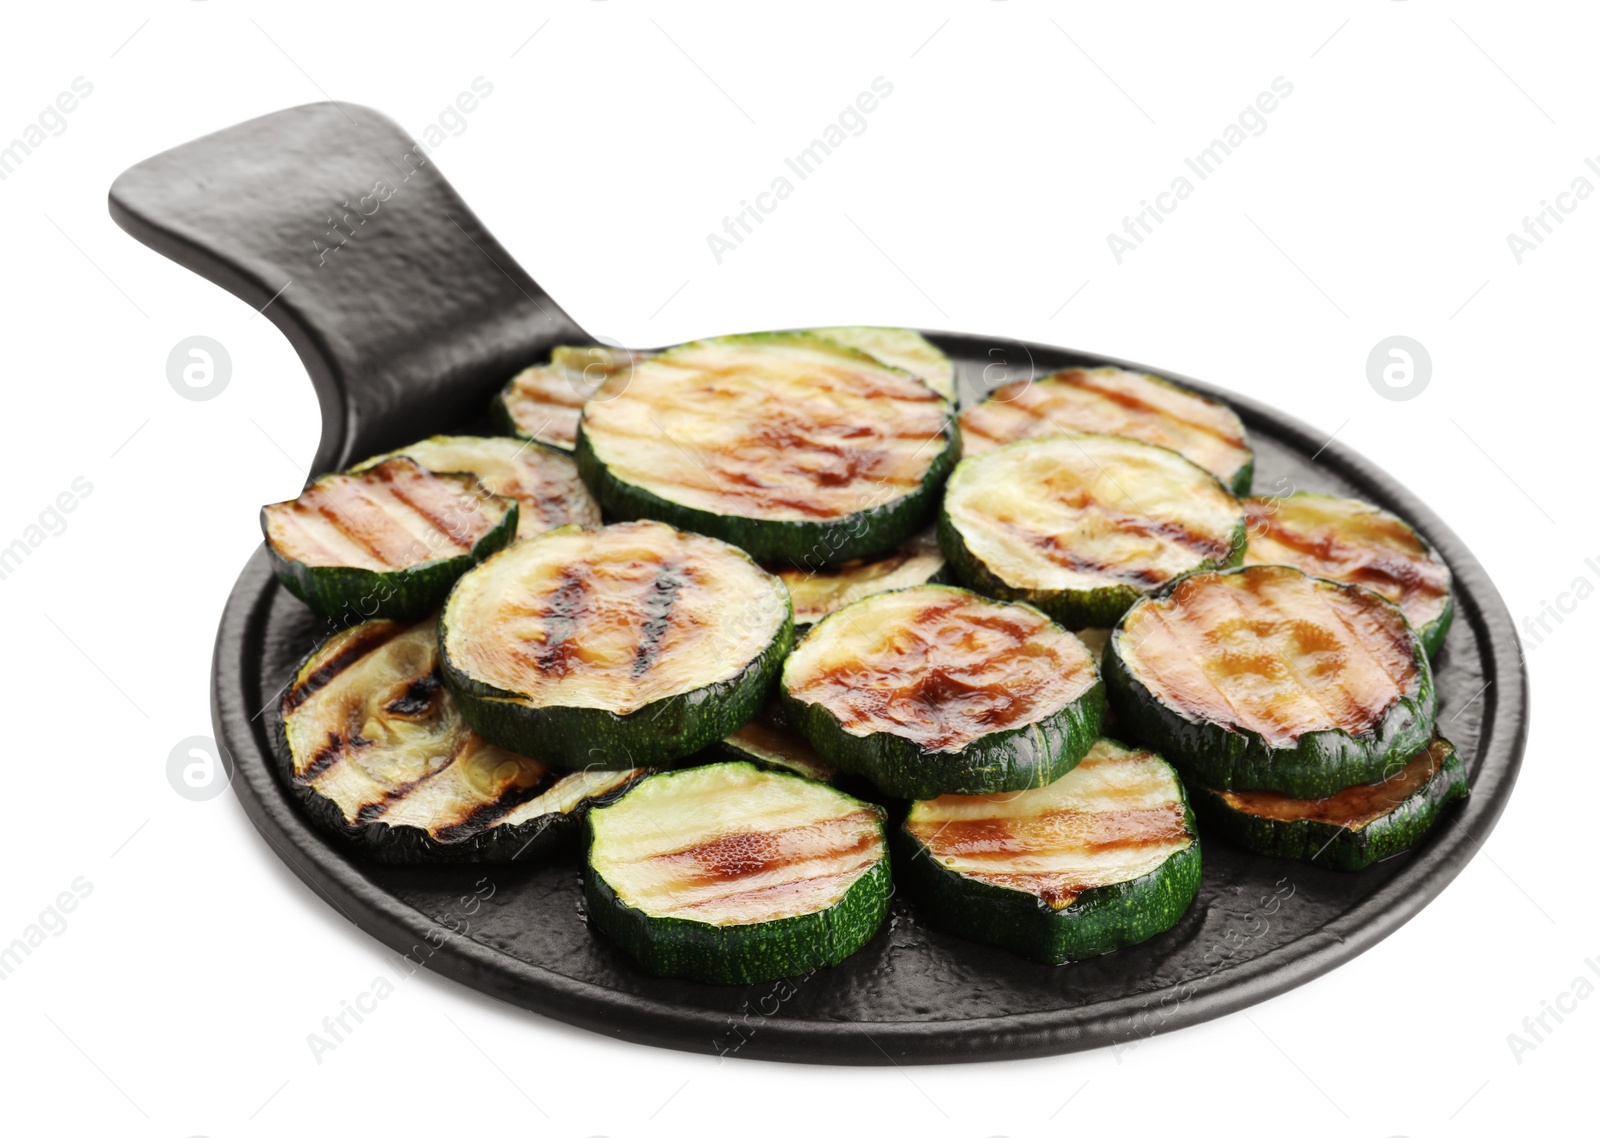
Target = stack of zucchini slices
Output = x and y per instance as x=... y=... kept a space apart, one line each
x=726 y=609
x=1300 y=710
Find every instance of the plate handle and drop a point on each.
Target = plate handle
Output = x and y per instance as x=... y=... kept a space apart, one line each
x=341 y=229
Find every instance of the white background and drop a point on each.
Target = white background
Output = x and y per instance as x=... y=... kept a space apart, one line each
x=178 y=998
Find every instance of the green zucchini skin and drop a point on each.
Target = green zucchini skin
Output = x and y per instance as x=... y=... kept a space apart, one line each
x=1016 y=759
x=1433 y=633
x=658 y=733
x=1335 y=846
x=807 y=543
x=741 y=953
x=1323 y=546
x=388 y=844
x=481 y=830
x=1099 y=920
x=333 y=591
x=1318 y=764
x=1074 y=608
x=1009 y=759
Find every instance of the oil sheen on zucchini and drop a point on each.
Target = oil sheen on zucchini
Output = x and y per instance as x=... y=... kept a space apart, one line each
x=732 y=875
x=935 y=690
x=1103 y=857
x=1348 y=540
x=543 y=402
x=1264 y=678
x=793 y=447
x=818 y=592
x=388 y=542
x=373 y=747
x=1084 y=525
x=901 y=348
x=1112 y=401
x=545 y=484
x=1352 y=829
x=630 y=645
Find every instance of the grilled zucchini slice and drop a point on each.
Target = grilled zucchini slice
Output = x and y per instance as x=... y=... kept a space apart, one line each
x=371 y=743
x=1105 y=856
x=732 y=875
x=1113 y=401
x=901 y=348
x=1264 y=678
x=388 y=542
x=789 y=445
x=1352 y=829
x=816 y=593
x=935 y=690
x=1344 y=539
x=630 y=645
x=545 y=484
x=543 y=403
x=1085 y=525
x=767 y=743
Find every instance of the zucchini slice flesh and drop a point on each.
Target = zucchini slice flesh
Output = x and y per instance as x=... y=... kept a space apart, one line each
x=731 y=874
x=766 y=743
x=1113 y=401
x=377 y=753
x=816 y=593
x=796 y=448
x=934 y=690
x=1084 y=525
x=1349 y=830
x=387 y=541
x=901 y=348
x=593 y=646
x=1264 y=678
x=1344 y=539
x=544 y=402
x=1105 y=856
x=545 y=484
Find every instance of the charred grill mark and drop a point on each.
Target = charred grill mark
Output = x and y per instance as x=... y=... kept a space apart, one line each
x=1391 y=572
x=1229 y=626
x=977 y=667
x=772 y=894
x=1061 y=548
x=746 y=853
x=1096 y=832
x=459 y=527
x=557 y=654
x=419 y=696
x=1089 y=381
x=325 y=757
x=487 y=814
x=657 y=617
x=372 y=637
x=374 y=811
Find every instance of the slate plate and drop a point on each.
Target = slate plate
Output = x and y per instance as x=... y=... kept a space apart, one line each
x=408 y=315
